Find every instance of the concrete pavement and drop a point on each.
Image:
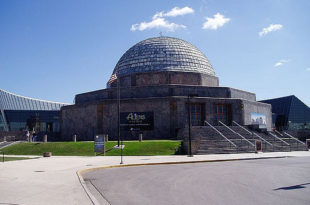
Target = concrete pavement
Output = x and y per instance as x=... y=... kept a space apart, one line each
x=282 y=181
x=55 y=181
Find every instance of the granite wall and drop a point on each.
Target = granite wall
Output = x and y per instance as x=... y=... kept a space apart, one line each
x=164 y=91
x=167 y=77
x=170 y=116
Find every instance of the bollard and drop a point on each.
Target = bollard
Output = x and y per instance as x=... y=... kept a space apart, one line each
x=74 y=138
x=47 y=154
x=4 y=139
x=106 y=138
x=140 y=137
x=45 y=138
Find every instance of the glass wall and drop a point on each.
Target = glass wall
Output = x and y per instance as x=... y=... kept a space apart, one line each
x=21 y=113
x=40 y=121
x=1 y=123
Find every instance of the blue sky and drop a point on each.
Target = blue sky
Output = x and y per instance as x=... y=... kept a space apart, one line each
x=55 y=49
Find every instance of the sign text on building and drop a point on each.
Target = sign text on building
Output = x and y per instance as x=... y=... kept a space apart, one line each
x=137 y=120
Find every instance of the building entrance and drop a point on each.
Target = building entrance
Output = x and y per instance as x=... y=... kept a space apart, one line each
x=197 y=116
x=223 y=113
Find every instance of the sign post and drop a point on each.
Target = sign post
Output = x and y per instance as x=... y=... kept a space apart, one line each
x=99 y=144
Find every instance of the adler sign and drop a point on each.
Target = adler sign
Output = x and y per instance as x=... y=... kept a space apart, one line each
x=137 y=120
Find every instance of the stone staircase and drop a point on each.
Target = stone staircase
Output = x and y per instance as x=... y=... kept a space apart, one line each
x=295 y=144
x=267 y=145
x=206 y=140
x=212 y=142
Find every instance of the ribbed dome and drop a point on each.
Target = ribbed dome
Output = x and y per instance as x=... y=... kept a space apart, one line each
x=163 y=54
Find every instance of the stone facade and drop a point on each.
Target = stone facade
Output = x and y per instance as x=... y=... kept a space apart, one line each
x=170 y=115
x=167 y=78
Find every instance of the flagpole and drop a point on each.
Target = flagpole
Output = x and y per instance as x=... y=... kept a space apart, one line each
x=118 y=111
x=119 y=116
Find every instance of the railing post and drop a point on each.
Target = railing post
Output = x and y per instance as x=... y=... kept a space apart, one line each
x=297 y=145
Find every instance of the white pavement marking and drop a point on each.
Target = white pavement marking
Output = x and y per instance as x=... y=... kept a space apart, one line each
x=54 y=180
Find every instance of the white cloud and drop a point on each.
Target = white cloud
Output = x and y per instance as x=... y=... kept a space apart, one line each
x=158 y=20
x=214 y=23
x=156 y=23
x=280 y=63
x=270 y=28
x=176 y=11
x=308 y=69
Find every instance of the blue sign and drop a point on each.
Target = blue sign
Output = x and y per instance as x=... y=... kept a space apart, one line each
x=99 y=143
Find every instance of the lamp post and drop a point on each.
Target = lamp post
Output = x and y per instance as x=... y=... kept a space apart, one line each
x=190 y=124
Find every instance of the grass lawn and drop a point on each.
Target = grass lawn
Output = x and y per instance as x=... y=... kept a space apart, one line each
x=132 y=148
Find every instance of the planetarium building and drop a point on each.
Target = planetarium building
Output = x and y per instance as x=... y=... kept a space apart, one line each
x=160 y=79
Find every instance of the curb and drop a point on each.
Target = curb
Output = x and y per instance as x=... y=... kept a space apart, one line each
x=95 y=201
x=90 y=195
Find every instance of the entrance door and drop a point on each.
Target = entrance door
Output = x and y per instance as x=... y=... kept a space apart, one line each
x=196 y=114
x=223 y=113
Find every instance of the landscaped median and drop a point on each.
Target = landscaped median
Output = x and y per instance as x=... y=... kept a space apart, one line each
x=132 y=148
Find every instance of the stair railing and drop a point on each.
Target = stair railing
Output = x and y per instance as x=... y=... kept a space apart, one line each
x=253 y=133
x=275 y=136
x=294 y=138
x=237 y=133
x=279 y=133
x=206 y=122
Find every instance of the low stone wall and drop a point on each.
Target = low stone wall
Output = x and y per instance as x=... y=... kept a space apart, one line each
x=195 y=139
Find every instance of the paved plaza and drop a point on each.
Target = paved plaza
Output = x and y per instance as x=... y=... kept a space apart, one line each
x=55 y=180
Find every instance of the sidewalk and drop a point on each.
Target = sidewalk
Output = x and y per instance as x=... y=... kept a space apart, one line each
x=54 y=180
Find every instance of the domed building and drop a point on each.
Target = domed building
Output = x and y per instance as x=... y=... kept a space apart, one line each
x=162 y=61
x=159 y=78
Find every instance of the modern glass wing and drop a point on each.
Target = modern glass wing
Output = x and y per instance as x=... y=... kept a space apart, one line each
x=11 y=102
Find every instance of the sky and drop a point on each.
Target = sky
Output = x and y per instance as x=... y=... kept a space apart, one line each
x=55 y=49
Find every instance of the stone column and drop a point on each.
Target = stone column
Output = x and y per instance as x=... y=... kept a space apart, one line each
x=74 y=138
x=45 y=138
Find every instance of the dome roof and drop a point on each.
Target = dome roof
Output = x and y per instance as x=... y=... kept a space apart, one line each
x=163 y=54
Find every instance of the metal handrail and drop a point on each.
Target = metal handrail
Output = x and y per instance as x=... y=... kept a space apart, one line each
x=294 y=138
x=279 y=139
x=221 y=134
x=237 y=134
x=242 y=127
x=253 y=133
x=278 y=133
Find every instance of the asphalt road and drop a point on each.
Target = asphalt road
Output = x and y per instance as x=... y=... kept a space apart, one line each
x=264 y=181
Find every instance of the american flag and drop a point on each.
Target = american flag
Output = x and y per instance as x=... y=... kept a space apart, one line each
x=112 y=78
